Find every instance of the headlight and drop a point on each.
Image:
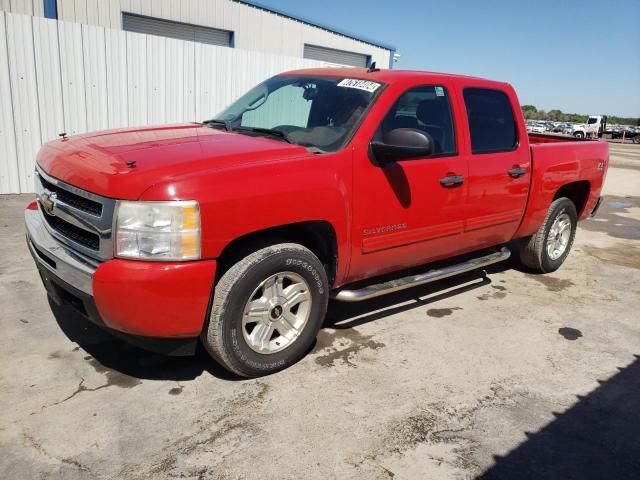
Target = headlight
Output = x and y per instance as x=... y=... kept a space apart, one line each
x=163 y=231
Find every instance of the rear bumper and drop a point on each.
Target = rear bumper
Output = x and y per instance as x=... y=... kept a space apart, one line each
x=597 y=206
x=158 y=306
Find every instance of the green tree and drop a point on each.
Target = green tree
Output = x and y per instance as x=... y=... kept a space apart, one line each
x=529 y=111
x=555 y=115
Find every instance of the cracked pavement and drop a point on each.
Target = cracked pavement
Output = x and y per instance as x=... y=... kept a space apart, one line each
x=503 y=375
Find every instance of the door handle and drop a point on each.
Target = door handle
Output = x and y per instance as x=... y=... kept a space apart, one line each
x=452 y=181
x=517 y=171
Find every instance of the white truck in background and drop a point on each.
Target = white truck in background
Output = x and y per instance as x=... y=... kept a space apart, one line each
x=594 y=128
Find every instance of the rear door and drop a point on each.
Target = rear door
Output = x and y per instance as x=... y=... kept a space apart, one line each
x=497 y=153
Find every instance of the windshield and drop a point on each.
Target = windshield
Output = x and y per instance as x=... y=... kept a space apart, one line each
x=312 y=111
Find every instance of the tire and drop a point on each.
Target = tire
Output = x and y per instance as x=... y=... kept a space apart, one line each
x=535 y=251
x=578 y=135
x=257 y=294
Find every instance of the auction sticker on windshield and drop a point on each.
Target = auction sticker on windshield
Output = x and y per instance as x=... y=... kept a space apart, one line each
x=366 y=85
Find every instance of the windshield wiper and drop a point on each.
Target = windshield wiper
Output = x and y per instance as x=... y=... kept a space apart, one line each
x=268 y=131
x=314 y=149
x=226 y=123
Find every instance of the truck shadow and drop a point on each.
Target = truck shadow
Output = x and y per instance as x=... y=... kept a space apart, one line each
x=115 y=354
x=343 y=315
x=596 y=438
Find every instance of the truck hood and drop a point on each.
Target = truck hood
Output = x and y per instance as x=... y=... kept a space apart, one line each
x=124 y=163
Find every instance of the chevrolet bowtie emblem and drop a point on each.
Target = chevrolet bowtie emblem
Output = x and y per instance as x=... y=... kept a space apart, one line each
x=48 y=201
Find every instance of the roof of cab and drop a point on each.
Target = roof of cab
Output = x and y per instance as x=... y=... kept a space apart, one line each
x=386 y=75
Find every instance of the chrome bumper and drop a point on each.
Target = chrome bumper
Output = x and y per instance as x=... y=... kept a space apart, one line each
x=61 y=261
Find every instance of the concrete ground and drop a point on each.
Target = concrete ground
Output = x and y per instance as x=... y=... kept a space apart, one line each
x=508 y=375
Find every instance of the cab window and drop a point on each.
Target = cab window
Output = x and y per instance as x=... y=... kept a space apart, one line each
x=424 y=108
x=491 y=121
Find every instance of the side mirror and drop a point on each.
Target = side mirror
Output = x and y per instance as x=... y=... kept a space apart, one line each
x=401 y=144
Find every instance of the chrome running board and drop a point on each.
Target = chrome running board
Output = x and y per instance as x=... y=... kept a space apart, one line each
x=376 y=290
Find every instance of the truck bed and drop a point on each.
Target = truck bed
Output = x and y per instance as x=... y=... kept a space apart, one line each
x=558 y=161
x=547 y=138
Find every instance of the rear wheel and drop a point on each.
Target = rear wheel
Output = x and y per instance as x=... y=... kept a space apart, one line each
x=267 y=310
x=545 y=251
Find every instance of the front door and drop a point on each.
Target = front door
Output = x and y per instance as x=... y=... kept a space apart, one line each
x=410 y=212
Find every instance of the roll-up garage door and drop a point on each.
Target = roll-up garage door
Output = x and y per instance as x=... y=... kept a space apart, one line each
x=338 y=57
x=171 y=29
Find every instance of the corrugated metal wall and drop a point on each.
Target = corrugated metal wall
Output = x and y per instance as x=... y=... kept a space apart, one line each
x=28 y=7
x=60 y=76
x=254 y=28
x=337 y=57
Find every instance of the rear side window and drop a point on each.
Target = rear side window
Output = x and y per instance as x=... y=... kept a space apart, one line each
x=423 y=108
x=491 y=121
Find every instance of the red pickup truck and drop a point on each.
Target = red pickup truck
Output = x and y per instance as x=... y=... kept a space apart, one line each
x=314 y=184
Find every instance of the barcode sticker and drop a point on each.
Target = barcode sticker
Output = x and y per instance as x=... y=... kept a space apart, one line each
x=366 y=85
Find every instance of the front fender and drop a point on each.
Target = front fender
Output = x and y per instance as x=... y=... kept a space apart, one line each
x=252 y=197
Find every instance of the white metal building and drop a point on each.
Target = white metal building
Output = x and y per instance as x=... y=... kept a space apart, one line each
x=125 y=63
x=245 y=25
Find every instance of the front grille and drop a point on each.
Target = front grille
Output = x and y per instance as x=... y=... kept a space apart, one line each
x=79 y=218
x=76 y=201
x=78 y=235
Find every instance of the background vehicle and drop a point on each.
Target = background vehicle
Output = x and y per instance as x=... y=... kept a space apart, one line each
x=537 y=127
x=620 y=131
x=595 y=126
x=561 y=127
x=316 y=183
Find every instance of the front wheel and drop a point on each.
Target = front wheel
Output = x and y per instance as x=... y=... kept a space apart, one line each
x=267 y=310
x=548 y=248
x=579 y=135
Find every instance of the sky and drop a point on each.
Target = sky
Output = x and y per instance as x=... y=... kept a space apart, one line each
x=578 y=56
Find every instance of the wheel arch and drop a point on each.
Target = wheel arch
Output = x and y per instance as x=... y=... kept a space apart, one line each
x=319 y=236
x=577 y=192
